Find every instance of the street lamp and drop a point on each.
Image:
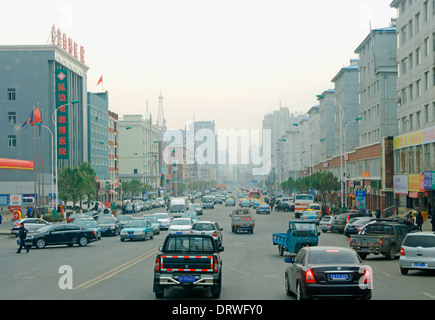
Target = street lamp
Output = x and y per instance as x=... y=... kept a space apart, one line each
x=55 y=134
x=345 y=160
x=321 y=96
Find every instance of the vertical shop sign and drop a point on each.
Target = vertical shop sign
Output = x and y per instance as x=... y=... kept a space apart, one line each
x=62 y=113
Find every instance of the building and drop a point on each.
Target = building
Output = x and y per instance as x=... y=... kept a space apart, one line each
x=138 y=149
x=98 y=133
x=114 y=155
x=28 y=78
x=414 y=146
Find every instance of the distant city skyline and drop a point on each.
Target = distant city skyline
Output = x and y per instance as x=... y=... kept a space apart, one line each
x=228 y=61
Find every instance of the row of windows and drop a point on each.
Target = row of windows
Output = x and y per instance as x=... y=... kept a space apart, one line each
x=414 y=121
x=426 y=8
x=414 y=160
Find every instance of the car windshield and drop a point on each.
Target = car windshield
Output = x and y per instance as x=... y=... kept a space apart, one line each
x=306 y=229
x=151 y=219
x=203 y=227
x=191 y=244
x=420 y=241
x=124 y=218
x=106 y=220
x=135 y=224
x=326 y=219
x=333 y=256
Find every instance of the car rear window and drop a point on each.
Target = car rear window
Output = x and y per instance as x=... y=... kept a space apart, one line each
x=333 y=256
x=419 y=241
x=203 y=227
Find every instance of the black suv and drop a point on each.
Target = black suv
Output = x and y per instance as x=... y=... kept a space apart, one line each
x=342 y=219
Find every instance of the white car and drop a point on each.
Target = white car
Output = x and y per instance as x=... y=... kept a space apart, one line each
x=417 y=252
x=164 y=220
x=180 y=226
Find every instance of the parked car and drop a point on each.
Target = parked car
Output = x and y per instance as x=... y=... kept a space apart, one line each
x=356 y=225
x=109 y=226
x=417 y=252
x=210 y=228
x=164 y=220
x=129 y=208
x=91 y=224
x=342 y=219
x=327 y=223
x=180 y=226
x=65 y=233
x=321 y=272
x=137 y=229
x=31 y=224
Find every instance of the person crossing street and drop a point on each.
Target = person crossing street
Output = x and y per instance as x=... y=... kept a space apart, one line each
x=22 y=234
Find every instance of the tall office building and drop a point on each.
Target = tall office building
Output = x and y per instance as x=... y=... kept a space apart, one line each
x=30 y=77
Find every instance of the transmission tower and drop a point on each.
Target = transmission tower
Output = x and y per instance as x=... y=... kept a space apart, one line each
x=161 y=121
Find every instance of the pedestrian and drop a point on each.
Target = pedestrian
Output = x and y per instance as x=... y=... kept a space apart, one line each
x=378 y=213
x=432 y=221
x=1 y=219
x=419 y=220
x=29 y=212
x=22 y=234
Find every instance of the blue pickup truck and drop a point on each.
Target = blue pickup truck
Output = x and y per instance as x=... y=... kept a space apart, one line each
x=299 y=234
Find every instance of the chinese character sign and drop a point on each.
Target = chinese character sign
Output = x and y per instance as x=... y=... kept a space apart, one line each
x=62 y=113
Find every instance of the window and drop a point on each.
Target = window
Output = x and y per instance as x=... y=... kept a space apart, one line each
x=417 y=56
x=418 y=119
x=411 y=92
x=426 y=46
x=426 y=113
x=417 y=22
x=418 y=88
x=411 y=122
x=426 y=81
x=425 y=11
x=12 y=117
x=11 y=94
x=12 y=141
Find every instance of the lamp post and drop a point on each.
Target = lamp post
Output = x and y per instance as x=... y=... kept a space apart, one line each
x=345 y=160
x=56 y=160
x=321 y=96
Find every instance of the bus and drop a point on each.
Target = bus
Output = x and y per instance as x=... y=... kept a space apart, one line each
x=302 y=201
x=255 y=195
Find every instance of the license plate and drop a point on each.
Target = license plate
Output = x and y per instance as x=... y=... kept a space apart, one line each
x=338 y=276
x=130 y=235
x=365 y=249
x=419 y=264
x=178 y=232
x=186 y=278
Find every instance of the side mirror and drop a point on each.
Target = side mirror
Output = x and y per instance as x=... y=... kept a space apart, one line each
x=160 y=248
x=220 y=249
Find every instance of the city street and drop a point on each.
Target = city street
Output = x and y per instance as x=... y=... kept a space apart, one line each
x=252 y=268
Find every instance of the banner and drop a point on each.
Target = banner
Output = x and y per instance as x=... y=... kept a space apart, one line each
x=360 y=199
x=429 y=180
x=416 y=182
x=62 y=118
x=400 y=184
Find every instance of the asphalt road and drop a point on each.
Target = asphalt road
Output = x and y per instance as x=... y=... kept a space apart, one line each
x=113 y=270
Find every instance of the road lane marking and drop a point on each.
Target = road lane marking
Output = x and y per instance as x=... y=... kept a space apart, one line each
x=114 y=271
x=428 y=294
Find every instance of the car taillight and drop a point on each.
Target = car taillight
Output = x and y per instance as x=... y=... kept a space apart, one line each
x=215 y=234
x=402 y=251
x=309 y=277
x=216 y=264
x=381 y=241
x=157 y=264
x=367 y=276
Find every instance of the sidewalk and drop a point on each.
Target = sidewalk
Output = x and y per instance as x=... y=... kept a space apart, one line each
x=6 y=225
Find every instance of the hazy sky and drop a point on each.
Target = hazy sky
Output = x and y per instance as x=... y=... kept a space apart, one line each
x=231 y=61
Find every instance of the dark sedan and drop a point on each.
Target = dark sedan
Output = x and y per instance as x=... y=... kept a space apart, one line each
x=109 y=226
x=285 y=206
x=328 y=272
x=55 y=234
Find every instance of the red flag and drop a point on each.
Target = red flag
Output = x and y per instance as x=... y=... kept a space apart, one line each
x=99 y=81
x=36 y=117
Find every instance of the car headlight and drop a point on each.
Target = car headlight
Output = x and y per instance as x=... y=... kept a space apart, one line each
x=138 y=232
x=30 y=237
x=123 y=232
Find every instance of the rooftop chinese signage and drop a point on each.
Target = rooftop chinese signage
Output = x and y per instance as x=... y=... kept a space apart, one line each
x=62 y=41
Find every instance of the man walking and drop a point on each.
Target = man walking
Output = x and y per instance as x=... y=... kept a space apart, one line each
x=22 y=234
